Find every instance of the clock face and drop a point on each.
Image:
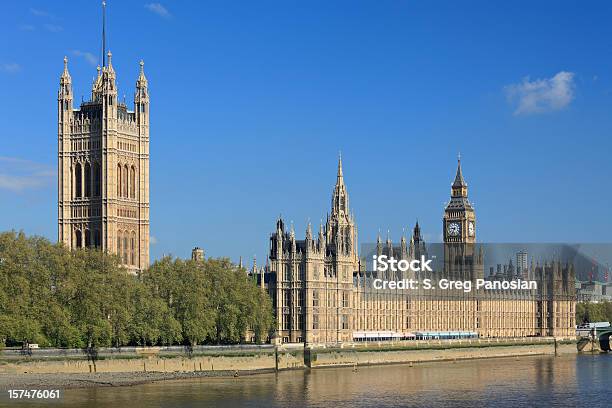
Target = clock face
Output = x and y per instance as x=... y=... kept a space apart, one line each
x=471 y=229
x=453 y=229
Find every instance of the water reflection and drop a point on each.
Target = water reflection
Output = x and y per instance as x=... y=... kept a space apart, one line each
x=528 y=381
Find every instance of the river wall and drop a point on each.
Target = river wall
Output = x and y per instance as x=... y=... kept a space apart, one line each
x=269 y=357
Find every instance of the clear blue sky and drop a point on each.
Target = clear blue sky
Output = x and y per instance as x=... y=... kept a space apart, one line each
x=251 y=102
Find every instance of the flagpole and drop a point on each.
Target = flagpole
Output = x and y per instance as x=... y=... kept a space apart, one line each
x=103 y=33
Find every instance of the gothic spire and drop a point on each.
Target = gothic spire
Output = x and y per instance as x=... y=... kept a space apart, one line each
x=459 y=181
x=417 y=232
x=109 y=56
x=142 y=79
x=65 y=73
x=340 y=197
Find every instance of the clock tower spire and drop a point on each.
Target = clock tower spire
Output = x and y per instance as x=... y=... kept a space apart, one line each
x=459 y=221
x=461 y=257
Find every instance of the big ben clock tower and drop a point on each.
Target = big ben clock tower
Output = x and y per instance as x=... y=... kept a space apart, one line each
x=459 y=224
x=459 y=219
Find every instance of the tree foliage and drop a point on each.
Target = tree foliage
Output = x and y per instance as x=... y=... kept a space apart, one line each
x=60 y=298
x=587 y=312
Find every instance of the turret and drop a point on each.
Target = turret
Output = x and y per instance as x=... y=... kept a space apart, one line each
x=403 y=247
x=321 y=239
x=389 y=245
x=64 y=120
x=141 y=98
x=309 y=242
x=65 y=91
x=64 y=97
x=292 y=239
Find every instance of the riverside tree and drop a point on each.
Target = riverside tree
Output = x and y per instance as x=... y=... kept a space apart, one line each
x=60 y=298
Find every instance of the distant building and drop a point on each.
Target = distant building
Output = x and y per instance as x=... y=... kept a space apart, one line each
x=522 y=266
x=197 y=254
x=594 y=292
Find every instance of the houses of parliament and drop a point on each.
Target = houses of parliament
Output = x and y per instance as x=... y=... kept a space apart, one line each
x=323 y=293
x=320 y=288
x=103 y=168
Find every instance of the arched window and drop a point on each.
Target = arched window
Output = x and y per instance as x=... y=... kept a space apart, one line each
x=132 y=182
x=119 y=244
x=118 y=180
x=125 y=248
x=87 y=180
x=97 y=179
x=133 y=249
x=78 y=239
x=97 y=238
x=124 y=187
x=78 y=181
x=87 y=238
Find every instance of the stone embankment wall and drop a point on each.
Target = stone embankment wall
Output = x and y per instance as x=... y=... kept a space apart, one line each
x=269 y=357
x=435 y=350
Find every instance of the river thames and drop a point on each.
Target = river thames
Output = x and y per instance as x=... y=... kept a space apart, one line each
x=581 y=380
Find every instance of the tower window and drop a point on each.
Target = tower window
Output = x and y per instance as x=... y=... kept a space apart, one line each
x=118 y=180
x=133 y=182
x=87 y=238
x=125 y=249
x=345 y=322
x=87 y=180
x=97 y=179
x=78 y=239
x=345 y=299
x=133 y=249
x=124 y=187
x=119 y=244
x=97 y=238
x=78 y=178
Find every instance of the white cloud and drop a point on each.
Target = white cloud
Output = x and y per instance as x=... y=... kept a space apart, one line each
x=18 y=174
x=27 y=27
x=87 y=56
x=152 y=240
x=158 y=9
x=10 y=68
x=40 y=13
x=542 y=95
x=53 y=28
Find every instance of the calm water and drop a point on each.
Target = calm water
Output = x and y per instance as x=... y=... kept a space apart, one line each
x=529 y=381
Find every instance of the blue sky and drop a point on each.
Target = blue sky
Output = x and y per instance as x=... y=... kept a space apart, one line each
x=251 y=102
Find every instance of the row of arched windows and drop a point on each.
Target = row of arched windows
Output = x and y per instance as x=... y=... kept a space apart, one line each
x=126 y=181
x=87 y=180
x=89 y=239
x=127 y=247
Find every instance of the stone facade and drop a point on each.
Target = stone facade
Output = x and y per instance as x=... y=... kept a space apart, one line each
x=322 y=292
x=103 y=168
